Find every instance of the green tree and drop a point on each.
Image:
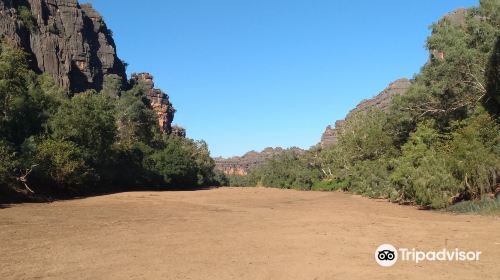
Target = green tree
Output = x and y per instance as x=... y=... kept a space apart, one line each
x=136 y=121
x=492 y=102
x=475 y=150
x=87 y=120
x=112 y=86
x=423 y=173
x=175 y=163
x=24 y=105
x=204 y=163
x=60 y=164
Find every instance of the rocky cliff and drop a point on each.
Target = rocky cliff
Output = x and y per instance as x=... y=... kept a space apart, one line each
x=380 y=101
x=241 y=165
x=72 y=43
x=66 y=40
x=159 y=101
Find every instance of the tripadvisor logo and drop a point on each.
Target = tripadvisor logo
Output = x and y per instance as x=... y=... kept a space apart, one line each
x=387 y=255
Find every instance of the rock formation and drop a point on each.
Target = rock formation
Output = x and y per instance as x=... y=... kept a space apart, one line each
x=64 y=39
x=329 y=137
x=241 y=165
x=159 y=101
x=72 y=43
x=380 y=101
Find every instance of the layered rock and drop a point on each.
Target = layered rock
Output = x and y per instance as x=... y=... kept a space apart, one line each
x=69 y=41
x=381 y=101
x=159 y=102
x=241 y=165
x=329 y=137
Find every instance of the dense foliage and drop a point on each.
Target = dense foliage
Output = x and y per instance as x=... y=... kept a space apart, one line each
x=55 y=144
x=438 y=144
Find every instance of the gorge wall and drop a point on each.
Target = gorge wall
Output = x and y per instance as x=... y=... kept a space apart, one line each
x=380 y=101
x=72 y=43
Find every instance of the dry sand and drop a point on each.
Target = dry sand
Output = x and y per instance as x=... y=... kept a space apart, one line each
x=236 y=233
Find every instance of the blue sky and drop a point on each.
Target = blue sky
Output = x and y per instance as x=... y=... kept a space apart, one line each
x=245 y=75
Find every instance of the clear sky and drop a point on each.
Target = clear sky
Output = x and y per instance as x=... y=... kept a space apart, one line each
x=248 y=74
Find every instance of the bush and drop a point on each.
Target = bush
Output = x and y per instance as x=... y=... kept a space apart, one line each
x=220 y=179
x=241 y=181
x=371 y=178
x=60 y=163
x=475 y=150
x=183 y=163
x=423 y=174
x=484 y=206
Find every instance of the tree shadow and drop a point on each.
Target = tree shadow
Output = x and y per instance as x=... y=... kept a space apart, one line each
x=7 y=201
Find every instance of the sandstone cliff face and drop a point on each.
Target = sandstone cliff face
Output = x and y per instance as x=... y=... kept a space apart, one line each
x=159 y=101
x=381 y=101
x=72 y=43
x=66 y=40
x=241 y=165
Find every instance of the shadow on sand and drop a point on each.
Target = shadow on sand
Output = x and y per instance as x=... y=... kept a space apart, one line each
x=10 y=199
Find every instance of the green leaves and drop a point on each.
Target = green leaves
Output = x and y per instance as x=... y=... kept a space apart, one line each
x=136 y=121
x=290 y=169
x=422 y=173
x=61 y=164
x=87 y=120
x=183 y=163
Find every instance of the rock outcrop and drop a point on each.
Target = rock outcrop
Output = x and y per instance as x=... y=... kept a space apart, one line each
x=72 y=43
x=381 y=101
x=159 y=101
x=329 y=137
x=241 y=165
x=69 y=41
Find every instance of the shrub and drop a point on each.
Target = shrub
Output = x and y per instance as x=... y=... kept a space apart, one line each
x=423 y=173
x=485 y=205
x=60 y=163
x=175 y=163
x=371 y=178
x=27 y=18
x=475 y=150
